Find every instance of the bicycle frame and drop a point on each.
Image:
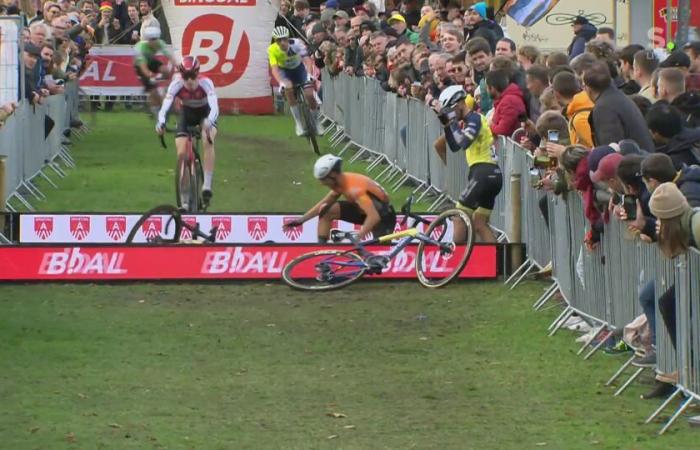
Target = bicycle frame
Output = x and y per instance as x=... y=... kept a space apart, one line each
x=407 y=236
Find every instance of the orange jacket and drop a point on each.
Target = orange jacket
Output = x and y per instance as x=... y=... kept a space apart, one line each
x=577 y=112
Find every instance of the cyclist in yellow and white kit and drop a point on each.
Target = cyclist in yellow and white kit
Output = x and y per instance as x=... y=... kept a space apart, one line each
x=468 y=130
x=291 y=65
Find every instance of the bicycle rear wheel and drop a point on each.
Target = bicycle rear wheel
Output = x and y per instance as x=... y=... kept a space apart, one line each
x=442 y=258
x=323 y=270
x=151 y=223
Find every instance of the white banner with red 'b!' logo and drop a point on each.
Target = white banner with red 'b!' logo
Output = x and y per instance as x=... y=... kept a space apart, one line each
x=230 y=38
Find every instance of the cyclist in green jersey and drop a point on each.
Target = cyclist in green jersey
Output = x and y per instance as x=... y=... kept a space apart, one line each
x=148 y=66
x=291 y=65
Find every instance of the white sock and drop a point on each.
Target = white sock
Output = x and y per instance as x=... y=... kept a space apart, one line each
x=207 y=180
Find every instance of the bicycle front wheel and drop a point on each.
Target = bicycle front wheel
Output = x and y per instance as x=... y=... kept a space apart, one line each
x=323 y=270
x=195 y=185
x=154 y=229
x=308 y=123
x=445 y=248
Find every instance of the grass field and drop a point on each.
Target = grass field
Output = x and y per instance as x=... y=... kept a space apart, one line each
x=260 y=366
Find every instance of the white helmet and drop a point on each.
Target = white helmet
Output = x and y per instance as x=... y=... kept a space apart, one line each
x=280 y=33
x=325 y=164
x=451 y=95
x=151 y=33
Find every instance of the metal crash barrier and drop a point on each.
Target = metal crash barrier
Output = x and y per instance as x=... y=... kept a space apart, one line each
x=32 y=142
x=395 y=135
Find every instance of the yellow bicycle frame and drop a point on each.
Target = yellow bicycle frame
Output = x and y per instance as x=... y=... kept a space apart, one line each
x=412 y=232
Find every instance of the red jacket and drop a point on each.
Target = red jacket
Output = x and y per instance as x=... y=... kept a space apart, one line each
x=507 y=107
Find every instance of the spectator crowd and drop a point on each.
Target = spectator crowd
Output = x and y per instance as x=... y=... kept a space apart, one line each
x=620 y=126
x=58 y=36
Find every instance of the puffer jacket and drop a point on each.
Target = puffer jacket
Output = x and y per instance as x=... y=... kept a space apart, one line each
x=507 y=108
x=683 y=148
x=578 y=44
x=689 y=184
x=578 y=112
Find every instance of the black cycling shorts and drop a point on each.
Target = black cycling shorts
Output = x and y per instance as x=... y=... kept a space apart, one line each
x=350 y=212
x=483 y=186
x=190 y=117
x=154 y=66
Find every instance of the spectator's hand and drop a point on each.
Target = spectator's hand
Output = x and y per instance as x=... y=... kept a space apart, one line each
x=36 y=98
x=638 y=223
x=546 y=183
x=402 y=90
x=44 y=92
x=160 y=128
x=644 y=238
x=72 y=76
x=429 y=99
x=554 y=150
x=590 y=242
x=526 y=143
x=116 y=25
x=350 y=70
x=293 y=224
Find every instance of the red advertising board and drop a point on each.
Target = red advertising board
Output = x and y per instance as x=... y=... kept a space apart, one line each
x=198 y=262
x=661 y=18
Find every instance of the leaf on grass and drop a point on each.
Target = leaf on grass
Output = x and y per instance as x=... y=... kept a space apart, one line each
x=142 y=301
x=270 y=325
x=541 y=444
x=349 y=427
x=33 y=430
x=81 y=395
x=115 y=425
x=333 y=436
x=336 y=415
x=422 y=338
x=70 y=437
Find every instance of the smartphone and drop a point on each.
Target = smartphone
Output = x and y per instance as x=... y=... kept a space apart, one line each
x=553 y=136
x=616 y=199
x=535 y=179
x=629 y=203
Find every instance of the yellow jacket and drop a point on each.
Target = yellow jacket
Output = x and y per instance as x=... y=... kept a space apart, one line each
x=577 y=112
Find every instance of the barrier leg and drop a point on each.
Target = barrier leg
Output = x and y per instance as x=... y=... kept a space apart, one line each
x=522 y=277
x=442 y=198
x=360 y=151
x=376 y=163
x=37 y=191
x=20 y=199
x=526 y=265
x=347 y=146
x=425 y=192
x=629 y=381
x=549 y=293
x=27 y=185
x=590 y=339
x=401 y=182
x=620 y=370
x=663 y=405
x=598 y=345
x=2 y=192
x=57 y=169
x=394 y=172
x=387 y=169
x=560 y=321
x=678 y=412
x=47 y=179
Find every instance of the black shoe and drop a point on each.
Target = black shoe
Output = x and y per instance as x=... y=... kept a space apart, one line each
x=206 y=197
x=66 y=133
x=661 y=390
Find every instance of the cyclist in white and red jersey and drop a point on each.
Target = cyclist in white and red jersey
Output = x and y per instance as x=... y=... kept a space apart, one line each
x=199 y=106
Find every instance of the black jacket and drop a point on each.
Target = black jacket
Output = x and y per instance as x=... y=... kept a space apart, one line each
x=578 y=43
x=689 y=184
x=615 y=117
x=688 y=104
x=683 y=148
x=487 y=29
